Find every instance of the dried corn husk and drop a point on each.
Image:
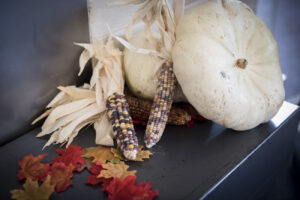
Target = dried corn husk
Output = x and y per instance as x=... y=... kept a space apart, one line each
x=107 y=76
x=155 y=13
x=65 y=121
x=75 y=107
x=159 y=12
x=152 y=11
x=139 y=109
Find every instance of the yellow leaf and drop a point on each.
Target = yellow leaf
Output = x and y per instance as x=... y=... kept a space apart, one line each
x=115 y=171
x=32 y=191
x=99 y=154
x=142 y=154
x=117 y=154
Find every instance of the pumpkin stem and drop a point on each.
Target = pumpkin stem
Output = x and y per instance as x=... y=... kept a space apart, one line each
x=241 y=63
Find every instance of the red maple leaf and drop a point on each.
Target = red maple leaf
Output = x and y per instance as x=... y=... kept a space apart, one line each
x=60 y=175
x=87 y=164
x=96 y=169
x=190 y=123
x=31 y=167
x=127 y=189
x=71 y=155
x=93 y=180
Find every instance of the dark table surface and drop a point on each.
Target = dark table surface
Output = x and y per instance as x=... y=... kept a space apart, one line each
x=188 y=163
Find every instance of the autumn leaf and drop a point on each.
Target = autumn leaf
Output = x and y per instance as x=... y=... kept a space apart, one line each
x=99 y=154
x=31 y=167
x=148 y=193
x=96 y=169
x=32 y=191
x=71 y=155
x=117 y=154
x=114 y=161
x=115 y=171
x=127 y=189
x=60 y=175
x=142 y=154
x=93 y=180
x=87 y=164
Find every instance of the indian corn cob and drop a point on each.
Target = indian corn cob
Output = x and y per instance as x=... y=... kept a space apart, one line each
x=118 y=113
x=140 y=109
x=161 y=105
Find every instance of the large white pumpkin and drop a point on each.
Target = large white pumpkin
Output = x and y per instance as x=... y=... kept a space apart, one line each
x=141 y=70
x=226 y=62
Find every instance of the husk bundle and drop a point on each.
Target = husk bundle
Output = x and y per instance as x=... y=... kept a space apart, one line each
x=75 y=107
x=156 y=12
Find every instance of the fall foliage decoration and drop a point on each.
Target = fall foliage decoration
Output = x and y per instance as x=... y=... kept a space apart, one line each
x=32 y=190
x=86 y=165
x=142 y=154
x=99 y=154
x=106 y=165
x=71 y=155
x=93 y=179
x=111 y=170
x=61 y=175
x=128 y=189
x=31 y=167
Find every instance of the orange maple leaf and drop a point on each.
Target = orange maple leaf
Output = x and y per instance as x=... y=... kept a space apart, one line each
x=32 y=191
x=142 y=154
x=99 y=154
x=31 y=167
x=61 y=175
x=115 y=171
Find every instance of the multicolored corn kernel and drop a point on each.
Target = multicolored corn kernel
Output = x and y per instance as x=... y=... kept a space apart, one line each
x=140 y=109
x=161 y=106
x=118 y=113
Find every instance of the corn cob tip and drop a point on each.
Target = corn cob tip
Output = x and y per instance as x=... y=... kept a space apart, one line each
x=149 y=143
x=130 y=154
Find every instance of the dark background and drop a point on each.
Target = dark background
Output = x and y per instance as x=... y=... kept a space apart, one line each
x=282 y=17
x=37 y=54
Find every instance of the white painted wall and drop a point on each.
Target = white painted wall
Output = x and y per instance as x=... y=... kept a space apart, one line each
x=118 y=17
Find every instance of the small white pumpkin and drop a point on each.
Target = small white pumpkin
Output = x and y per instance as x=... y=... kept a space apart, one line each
x=226 y=61
x=141 y=69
